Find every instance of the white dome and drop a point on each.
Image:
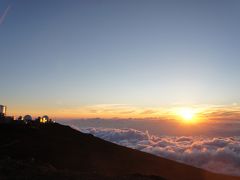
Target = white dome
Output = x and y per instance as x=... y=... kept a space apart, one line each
x=46 y=117
x=27 y=118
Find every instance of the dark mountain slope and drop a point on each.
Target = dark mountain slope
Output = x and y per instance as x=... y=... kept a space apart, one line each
x=62 y=150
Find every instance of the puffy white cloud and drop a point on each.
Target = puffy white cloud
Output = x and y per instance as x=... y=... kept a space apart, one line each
x=216 y=154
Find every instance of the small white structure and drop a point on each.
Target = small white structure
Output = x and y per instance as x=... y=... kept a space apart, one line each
x=3 y=110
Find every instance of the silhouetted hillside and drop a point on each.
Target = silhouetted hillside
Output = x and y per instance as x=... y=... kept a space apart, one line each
x=54 y=151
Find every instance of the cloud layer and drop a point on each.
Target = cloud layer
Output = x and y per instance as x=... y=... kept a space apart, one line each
x=221 y=155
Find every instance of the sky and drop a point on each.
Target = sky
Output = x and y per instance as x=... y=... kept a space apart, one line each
x=108 y=58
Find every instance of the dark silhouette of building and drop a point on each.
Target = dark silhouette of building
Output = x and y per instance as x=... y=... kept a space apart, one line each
x=27 y=119
x=3 y=117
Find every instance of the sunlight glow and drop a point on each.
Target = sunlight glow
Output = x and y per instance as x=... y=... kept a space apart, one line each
x=188 y=115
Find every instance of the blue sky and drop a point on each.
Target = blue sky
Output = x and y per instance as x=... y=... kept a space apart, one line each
x=65 y=54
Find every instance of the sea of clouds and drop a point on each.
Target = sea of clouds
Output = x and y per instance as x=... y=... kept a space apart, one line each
x=216 y=154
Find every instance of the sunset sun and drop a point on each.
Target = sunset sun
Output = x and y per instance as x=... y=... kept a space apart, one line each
x=188 y=115
x=123 y=89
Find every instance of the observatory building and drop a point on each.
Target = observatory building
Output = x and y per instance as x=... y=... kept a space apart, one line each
x=3 y=110
x=44 y=119
x=3 y=117
x=27 y=119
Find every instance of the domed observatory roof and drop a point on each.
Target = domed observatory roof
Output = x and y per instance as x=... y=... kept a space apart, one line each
x=27 y=118
x=45 y=119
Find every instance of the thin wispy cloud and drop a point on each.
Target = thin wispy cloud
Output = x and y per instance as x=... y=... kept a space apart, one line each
x=113 y=110
x=4 y=15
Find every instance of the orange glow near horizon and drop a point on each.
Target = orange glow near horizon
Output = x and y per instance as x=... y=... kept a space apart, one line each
x=188 y=115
